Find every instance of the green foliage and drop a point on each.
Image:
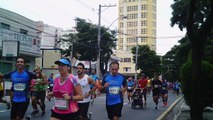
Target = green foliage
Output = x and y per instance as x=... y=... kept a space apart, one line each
x=85 y=45
x=205 y=85
x=148 y=61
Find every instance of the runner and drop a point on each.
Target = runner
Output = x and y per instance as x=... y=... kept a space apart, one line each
x=96 y=79
x=20 y=79
x=85 y=82
x=130 y=88
x=156 y=87
x=67 y=92
x=115 y=86
x=39 y=92
x=142 y=82
x=50 y=82
x=164 y=92
x=177 y=88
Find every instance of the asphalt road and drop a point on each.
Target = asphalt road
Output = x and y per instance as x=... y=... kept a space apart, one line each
x=99 y=112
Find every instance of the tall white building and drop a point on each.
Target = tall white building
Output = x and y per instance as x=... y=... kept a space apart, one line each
x=136 y=25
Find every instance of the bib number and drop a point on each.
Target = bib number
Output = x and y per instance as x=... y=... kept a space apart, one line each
x=19 y=86
x=129 y=88
x=163 y=88
x=51 y=85
x=156 y=86
x=114 y=90
x=61 y=103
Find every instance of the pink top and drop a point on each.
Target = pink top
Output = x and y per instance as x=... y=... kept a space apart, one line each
x=67 y=87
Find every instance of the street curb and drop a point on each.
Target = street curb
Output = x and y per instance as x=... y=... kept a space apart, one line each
x=169 y=109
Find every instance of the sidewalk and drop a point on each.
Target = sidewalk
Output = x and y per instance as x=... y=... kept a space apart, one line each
x=182 y=112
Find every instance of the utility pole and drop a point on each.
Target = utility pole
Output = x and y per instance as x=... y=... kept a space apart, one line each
x=136 y=59
x=99 y=38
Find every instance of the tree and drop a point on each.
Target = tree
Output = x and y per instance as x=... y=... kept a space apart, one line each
x=196 y=16
x=175 y=58
x=148 y=61
x=85 y=42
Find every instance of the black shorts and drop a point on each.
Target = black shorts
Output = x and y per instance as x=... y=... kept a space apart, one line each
x=114 y=110
x=130 y=90
x=83 y=109
x=39 y=95
x=69 y=116
x=1 y=93
x=18 y=109
x=156 y=93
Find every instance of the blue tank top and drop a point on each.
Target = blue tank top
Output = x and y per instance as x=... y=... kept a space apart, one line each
x=113 y=91
x=20 y=85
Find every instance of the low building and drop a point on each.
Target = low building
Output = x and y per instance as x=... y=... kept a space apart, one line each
x=18 y=37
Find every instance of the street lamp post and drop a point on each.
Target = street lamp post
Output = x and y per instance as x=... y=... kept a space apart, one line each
x=136 y=56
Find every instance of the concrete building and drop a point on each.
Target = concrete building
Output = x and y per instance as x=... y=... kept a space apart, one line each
x=136 y=25
x=50 y=49
x=18 y=36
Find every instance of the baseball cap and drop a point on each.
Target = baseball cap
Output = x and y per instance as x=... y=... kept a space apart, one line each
x=63 y=61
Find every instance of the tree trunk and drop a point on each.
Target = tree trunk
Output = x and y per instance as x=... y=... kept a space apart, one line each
x=196 y=105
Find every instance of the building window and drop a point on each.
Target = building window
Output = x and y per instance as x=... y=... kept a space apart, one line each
x=126 y=59
x=23 y=31
x=5 y=26
x=143 y=31
x=127 y=69
x=144 y=7
x=144 y=15
x=144 y=23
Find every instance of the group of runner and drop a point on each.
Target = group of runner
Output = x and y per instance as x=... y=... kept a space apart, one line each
x=157 y=86
x=73 y=94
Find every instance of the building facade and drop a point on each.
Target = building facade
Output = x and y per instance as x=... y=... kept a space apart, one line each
x=136 y=26
x=18 y=37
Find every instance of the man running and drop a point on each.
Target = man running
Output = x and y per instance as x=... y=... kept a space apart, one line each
x=85 y=82
x=96 y=80
x=130 y=88
x=164 y=92
x=21 y=89
x=142 y=82
x=115 y=85
x=39 y=93
x=156 y=88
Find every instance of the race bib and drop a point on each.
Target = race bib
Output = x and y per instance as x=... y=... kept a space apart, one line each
x=129 y=88
x=19 y=86
x=51 y=85
x=156 y=86
x=61 y=103
x=114 y=90
x=163 y=88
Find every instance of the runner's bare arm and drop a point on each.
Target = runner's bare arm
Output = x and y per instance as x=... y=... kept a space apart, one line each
x=78 y=94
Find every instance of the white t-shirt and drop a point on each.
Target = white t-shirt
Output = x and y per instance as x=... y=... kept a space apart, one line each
x=85 y=88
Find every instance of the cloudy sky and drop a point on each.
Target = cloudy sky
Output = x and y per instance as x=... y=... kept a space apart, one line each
x=61 y=13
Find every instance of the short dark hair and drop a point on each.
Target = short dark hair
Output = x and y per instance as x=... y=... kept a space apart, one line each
x=113 y=63
x=81 y=64
x=21 y=58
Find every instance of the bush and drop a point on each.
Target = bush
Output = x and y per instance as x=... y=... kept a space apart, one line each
x=205 y=85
